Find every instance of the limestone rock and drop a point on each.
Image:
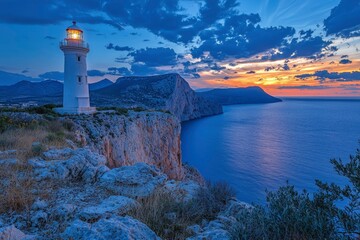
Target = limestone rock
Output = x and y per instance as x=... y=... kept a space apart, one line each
x=139 y=180
x=39 y=205
x=111 y=205
x=169 y=92
x=150 y=137
x=83 y=165
x=11 y=233
x=64 y=212
x=39 y=219
x=115 y=228
x=182 y=190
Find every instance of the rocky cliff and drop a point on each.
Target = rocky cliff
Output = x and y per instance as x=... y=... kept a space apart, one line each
x=169 y=92
x=149 y=137
x=248 y=95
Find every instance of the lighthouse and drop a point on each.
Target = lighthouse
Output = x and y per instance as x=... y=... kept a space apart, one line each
x=76 y=97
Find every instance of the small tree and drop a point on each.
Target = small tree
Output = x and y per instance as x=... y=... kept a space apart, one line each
x=348 y=196
x=333 y=212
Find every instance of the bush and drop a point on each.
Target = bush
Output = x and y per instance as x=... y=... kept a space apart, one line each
x=290 y=214
x=168 y=217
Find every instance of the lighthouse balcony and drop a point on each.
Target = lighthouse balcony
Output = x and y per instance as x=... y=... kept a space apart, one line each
x=73 y=43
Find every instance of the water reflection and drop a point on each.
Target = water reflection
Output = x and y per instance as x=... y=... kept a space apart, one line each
x=254 y=147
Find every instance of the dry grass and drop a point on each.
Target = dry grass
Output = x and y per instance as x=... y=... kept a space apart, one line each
x=47 y=133
x=169 y=218
x=17 y=185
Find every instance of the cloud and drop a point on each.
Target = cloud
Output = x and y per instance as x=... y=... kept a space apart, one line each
x=49 y=38
x=39 y=12
x=305 y=46
x=240 y=36
x=303 y=87
x=344 y=19
x=153 y=57
x=345 y=61
x=250 y=72
x=121 y=71
x=118 y=48
x=95 y=73
x=53 y=75
x=324 y=75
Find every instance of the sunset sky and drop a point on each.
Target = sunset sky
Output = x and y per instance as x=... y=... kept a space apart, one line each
x=288 y=47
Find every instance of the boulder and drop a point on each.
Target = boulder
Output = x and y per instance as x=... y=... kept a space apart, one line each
x=122 y=228
x=139 y=180
x=81 y=165
x=111 y=205
x=11 y=233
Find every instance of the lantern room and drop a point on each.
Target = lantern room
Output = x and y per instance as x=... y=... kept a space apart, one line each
x=74 y=32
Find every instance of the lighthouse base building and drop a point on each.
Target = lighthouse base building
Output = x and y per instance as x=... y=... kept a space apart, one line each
x=76 y=99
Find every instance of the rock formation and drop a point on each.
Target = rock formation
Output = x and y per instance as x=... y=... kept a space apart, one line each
x=149 y=137
x=169 y=92
x=229 y=96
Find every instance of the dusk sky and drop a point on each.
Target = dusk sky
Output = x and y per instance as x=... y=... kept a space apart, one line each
x=287 y=47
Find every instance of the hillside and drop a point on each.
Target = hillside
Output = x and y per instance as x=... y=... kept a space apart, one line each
x=229 y=96
x=169 y=92
x=100 y=84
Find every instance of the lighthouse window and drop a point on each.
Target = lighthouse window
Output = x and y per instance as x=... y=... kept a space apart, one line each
x=79 y=79
x=79 y=58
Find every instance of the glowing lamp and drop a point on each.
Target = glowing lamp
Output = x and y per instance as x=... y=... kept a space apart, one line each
x=74 y=32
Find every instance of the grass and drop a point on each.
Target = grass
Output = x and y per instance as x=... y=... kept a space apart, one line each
x=29 y=139
x=169 y=218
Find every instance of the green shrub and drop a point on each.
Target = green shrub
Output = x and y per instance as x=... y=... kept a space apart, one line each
x=290 y=214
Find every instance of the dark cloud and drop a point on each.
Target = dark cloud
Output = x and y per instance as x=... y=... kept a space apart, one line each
x=307 y=87
x=25 y=71
x=53 y=75
x=345 y=61
x=344 y=56
x=95 y=73
x=140 y=69
x=52 y=12
x=344 y=19
x=49 y=38
x=196 y=75
x=250 y=72
x=154 y=57
x=121 y=71
x=240 y=36
x=324 y=75
x=306 y=46
x=226 y=78
x=118 y=48
x=286 y=67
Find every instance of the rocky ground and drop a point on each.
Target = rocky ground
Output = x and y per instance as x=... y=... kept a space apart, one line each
x=83 y=199
x=69 y=185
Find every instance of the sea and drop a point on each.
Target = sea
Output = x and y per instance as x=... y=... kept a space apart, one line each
x=259 y=147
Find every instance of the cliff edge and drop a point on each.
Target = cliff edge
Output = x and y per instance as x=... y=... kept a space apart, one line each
x=169 y=92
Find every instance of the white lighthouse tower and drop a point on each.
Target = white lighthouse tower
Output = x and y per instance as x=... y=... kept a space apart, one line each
x=76 y=98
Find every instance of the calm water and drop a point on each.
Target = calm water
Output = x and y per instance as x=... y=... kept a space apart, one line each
x=258 y=147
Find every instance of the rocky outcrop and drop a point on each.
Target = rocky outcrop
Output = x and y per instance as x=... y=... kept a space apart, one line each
x=139 y=180
x=149 y=137
x=169 y=92
x=248 y=95
x=124 y=228
x=11 y=233
x=79 y=164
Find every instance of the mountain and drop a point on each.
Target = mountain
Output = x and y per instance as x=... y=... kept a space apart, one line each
x=100 y=84
x=228 y=96
x=32 y=89
x=7 y=78
x=169 y=92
